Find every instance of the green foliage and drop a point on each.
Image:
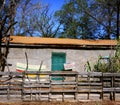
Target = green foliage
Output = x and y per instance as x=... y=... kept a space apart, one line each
x=76 y=24
x=88 y=19
x=112 y=64
x=87 y=66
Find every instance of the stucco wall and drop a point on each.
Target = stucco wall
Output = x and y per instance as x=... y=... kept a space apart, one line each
x=35 y=56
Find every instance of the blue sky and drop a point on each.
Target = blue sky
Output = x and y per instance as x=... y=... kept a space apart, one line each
x=54 y=4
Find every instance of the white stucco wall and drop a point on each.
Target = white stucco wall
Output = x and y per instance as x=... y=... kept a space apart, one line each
x=35 y=56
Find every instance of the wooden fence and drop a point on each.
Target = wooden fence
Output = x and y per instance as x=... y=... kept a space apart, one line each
x=38 y=86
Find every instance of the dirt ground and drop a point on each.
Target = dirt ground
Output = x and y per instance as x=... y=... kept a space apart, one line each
x=63 y=103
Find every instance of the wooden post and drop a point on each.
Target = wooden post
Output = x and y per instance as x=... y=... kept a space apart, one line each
x=8 y=91
x=39 y=85
x=76 y=92
x=114 y=87
x=63 y=94
x=36 y=94
x=111 y=93
x=22 y=91
x=101 y=95
x=49 y=97
x=88 y=79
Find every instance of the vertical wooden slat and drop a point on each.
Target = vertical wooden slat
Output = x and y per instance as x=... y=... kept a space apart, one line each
x=88 y=79
x=111 y=86
x=63 y=89
x=36 y=95
x=49 y=96
x=22 y=90
x=8 y=91
x=101 y=96
x=36 y=86
x=114 y=88
x=76 y=88
x=39 y=87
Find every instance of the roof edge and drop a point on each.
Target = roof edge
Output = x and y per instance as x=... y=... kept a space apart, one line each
x=38 y=41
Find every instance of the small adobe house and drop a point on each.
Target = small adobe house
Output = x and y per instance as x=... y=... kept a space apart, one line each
x=55 y=52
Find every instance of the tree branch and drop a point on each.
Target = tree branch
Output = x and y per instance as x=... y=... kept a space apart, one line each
x=2 y=5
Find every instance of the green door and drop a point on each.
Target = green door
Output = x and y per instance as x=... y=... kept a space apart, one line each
x=58 y=60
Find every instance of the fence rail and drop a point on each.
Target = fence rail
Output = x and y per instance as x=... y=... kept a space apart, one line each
x=29 y=86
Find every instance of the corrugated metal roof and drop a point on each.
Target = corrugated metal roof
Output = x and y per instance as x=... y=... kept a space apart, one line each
x=59 y=41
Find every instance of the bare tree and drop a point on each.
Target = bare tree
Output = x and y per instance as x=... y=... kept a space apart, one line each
x=7 y=13
x=25 y=11
x=36 y=20
x=45 y=24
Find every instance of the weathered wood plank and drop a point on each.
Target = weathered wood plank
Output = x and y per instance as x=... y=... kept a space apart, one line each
x=63 y=83
x=39 y=86
x=108 y=89
x=35 y=91
x=3 y=92
x=63 y=91
x=74 y=83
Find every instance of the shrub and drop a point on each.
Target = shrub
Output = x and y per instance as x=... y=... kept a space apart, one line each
x=110 y=64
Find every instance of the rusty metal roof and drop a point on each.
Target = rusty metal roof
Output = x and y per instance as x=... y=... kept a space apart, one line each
x=59 y=41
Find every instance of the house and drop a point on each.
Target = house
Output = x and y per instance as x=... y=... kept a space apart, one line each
x=55 y=52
